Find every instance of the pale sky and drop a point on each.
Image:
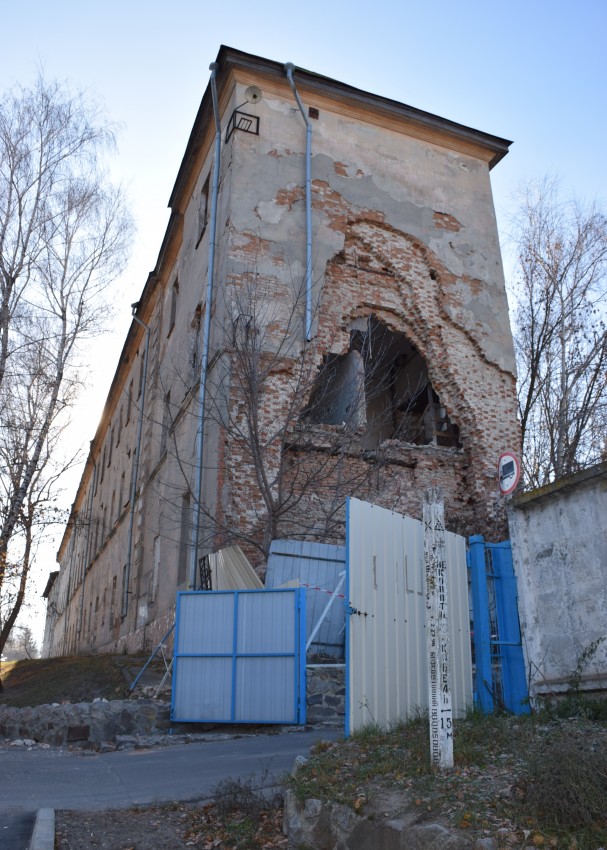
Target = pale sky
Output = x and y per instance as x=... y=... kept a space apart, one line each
x=532 y=71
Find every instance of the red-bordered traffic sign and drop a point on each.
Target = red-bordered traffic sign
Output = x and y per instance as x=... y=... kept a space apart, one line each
x=508 y=472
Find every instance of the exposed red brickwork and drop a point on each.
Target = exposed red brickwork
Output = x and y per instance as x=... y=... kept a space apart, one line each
x=392 y=276
x=446 y=222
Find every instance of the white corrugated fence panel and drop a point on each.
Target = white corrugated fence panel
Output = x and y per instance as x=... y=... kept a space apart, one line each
x=231 y=570
x=387 y=678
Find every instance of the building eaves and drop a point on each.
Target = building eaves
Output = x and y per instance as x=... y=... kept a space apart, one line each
x=52 y=577
x=230 y=58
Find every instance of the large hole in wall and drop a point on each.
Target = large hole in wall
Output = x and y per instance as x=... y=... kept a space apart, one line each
x=380 y=388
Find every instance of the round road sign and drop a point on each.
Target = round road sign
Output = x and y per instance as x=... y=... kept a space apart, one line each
x=509 y=472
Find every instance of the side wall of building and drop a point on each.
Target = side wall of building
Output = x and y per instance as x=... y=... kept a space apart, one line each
x=405 y=236
x=404 y=243
x=559 y=541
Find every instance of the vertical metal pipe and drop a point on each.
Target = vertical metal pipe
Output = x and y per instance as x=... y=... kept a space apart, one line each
x=204 y=363
x=135 y=467
x=289 y=68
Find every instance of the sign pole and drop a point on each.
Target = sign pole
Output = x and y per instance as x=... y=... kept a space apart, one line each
x=437 y=631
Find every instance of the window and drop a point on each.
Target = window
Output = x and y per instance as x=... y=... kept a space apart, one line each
x=155 y=570
x=103 y=463
x=203 y=211
x=184 y=539
x=119 y=432
x=141 y=375
x=173 y=310
x=96 y=543
x=113 y=601
x=193 y=345
x=121 y=495
x=125 y=591
x=109 y=451
x=129 y=402
x=166 y=421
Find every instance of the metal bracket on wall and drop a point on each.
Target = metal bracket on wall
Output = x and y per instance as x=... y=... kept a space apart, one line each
x=242 y=121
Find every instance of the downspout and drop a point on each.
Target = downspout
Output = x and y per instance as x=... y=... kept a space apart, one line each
x=135 y=465
x=204 y=363
x=289 y=68
x=87 y=547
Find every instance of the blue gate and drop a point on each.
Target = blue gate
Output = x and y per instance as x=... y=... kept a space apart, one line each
x=500 y=679
x=239 y=657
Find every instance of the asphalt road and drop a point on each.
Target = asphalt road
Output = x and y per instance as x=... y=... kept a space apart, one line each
x=16 y=826
x=62 y=779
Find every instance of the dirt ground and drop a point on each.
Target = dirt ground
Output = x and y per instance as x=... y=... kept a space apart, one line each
x=167 y=827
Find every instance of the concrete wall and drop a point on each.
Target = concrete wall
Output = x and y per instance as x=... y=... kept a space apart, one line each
x=559 y=546
x=404 y=239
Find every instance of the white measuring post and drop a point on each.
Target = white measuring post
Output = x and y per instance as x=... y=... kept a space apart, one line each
x=437 y=631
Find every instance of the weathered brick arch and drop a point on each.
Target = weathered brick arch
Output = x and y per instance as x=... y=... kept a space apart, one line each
x=394 y=277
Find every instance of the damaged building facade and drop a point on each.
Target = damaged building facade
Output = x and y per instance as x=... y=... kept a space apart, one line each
x=327 y=317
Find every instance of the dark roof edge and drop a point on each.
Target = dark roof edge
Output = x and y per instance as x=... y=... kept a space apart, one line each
x=563 y=485
x=49 y=584
x=230 y=57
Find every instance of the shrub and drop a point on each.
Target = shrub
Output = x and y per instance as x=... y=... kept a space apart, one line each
x=567 y=784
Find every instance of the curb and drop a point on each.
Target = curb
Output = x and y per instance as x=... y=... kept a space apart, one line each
x=43 y=836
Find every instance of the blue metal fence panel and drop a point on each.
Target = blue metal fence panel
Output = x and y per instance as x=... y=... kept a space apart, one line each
x=238 y=657
x=499 y=662
x=317 y=568
x=509 y=646
x=482 y=632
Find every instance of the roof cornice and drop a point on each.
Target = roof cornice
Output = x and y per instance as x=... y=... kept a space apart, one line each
x=345 y=98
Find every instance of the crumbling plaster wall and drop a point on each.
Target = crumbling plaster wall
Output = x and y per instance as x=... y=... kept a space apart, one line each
x=559 y=546
x=403 y=230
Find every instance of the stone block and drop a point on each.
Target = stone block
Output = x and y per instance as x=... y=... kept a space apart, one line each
x=77 y=733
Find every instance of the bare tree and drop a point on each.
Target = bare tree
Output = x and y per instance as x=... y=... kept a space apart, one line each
x=560 y=293
x=64 y=237
x=309 y=428
x=21 y=644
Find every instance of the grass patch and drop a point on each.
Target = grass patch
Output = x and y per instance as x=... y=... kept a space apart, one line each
x=66 y=679
x=545 y=779
x=342 y=771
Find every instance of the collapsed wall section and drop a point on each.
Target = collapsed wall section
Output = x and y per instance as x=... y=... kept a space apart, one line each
x=406 y=258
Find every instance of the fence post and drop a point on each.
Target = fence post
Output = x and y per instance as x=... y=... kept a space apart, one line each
x=437 y=631
x=482 y=631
